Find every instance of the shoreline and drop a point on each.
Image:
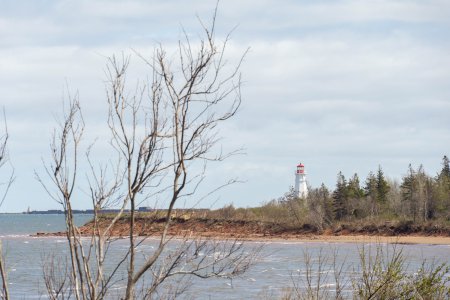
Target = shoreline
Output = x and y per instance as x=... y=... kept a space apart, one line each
x=310 y=238
x=220 y=229
x=358 y=239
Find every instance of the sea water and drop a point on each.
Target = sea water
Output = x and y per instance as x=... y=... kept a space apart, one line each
x=280 y=265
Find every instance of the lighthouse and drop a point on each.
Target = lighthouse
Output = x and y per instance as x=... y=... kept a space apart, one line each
x=301 y=190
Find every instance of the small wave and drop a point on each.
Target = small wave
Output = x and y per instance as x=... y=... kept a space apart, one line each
x=14 y=236
x=325 y=272
x=327 y=285
x=216 y=255
x=286 y=275
x=282 y=243
x=118 y=287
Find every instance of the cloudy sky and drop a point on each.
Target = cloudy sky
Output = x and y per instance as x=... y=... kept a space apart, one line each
x=338 y=85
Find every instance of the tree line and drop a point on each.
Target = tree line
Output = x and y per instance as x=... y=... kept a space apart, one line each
x=419 y=197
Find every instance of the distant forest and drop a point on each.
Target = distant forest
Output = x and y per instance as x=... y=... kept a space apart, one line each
x=419 y=198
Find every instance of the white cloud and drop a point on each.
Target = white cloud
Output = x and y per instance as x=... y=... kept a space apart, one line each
x=341 y=85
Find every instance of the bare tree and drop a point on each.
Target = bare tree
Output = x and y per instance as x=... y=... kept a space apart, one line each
x=5 y=186
x=57 y=278
x=312 y=281
x=162 y=132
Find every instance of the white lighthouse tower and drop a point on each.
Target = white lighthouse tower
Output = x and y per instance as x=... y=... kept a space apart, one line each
x=301 y=190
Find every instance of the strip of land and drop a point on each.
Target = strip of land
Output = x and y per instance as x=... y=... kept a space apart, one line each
x=268 y=231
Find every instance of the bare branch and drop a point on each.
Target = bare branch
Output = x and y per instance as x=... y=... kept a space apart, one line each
x=160 y=130
x=4 y=158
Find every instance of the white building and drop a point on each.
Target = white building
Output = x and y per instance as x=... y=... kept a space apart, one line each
x=300 y=189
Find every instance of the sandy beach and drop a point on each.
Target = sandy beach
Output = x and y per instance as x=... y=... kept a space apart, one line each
x=433 y=240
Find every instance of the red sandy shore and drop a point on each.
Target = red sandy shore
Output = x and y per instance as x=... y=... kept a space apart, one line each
x=259 y=231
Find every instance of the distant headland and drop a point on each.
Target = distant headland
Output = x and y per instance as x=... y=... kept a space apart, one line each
x=82 y=211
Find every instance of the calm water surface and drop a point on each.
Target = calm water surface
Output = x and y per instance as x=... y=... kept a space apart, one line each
x=24 y=225
x=280 y=264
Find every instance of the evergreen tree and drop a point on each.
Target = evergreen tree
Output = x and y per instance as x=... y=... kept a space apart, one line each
x=382 y=187
x=422 y=193
x=327 y=202
x=324 y=192
x=354 y=189
x=431 y=199
x=340 y=197
x=445 y=172
x=408 y=187
x=444 y=175
x=355 y=194
x=370 y=192
x=370 y=187
x=442 y=187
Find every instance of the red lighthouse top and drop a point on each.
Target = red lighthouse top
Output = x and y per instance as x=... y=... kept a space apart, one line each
x=300 y=169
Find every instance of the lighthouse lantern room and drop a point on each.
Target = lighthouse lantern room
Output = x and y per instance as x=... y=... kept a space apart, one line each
x=300 y=189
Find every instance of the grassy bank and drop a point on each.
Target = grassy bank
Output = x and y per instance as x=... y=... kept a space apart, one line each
x=267 y=224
